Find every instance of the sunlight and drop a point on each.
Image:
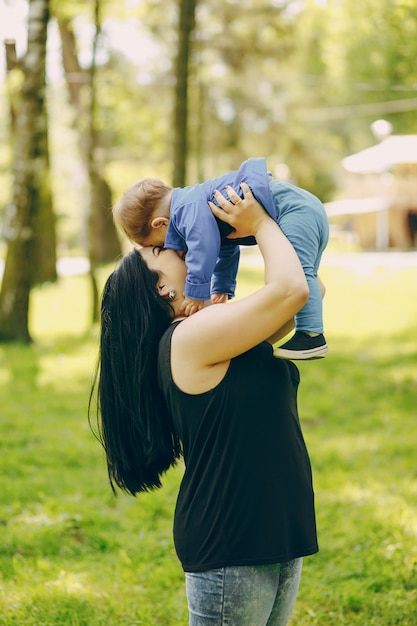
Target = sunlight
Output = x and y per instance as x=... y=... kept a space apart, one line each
x=4 y=376
x=387 y=507
x=71 y=583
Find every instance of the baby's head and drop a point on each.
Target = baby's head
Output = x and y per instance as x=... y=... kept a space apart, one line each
x=143 y=211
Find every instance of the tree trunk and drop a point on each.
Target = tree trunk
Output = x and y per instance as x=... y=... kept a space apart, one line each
x=103 y=239
x=185 y=29
x=11 y=64
x=92 y=165
x=30 y=233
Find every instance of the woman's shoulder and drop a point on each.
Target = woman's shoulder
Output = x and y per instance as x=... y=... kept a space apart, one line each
x=164 y=353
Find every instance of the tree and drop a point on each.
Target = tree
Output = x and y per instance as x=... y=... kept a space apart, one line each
x=92 y=163
x=103 y=240
x=237 y=85
x=185 y=28
x=283 y=78
x=30 y=233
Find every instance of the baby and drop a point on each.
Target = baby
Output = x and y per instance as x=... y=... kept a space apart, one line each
x=152 y=213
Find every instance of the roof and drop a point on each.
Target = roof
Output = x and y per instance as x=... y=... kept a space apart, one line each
x=351 y=206
x=381 y=157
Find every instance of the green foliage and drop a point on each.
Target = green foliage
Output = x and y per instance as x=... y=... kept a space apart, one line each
x=360 y=422
x=71 y=553
x=285 y=80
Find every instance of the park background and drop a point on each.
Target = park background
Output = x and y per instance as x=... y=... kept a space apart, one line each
x=97 y=94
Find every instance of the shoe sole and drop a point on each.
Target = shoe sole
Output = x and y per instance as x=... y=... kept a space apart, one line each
x=301 y=355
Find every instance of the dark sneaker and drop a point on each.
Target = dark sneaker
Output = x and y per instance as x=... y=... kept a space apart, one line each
x=302 y=347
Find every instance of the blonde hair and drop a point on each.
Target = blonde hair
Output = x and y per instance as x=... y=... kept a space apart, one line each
x=135 y=209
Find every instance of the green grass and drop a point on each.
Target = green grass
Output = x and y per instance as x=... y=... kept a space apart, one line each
x=70 y=553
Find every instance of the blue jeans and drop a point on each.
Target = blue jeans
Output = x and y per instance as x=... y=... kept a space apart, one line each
x=303 y=220
x=262 y=595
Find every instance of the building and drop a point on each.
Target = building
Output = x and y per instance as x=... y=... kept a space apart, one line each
x=381 y=185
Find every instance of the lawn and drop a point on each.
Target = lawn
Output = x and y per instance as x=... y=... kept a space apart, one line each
x=71 y=553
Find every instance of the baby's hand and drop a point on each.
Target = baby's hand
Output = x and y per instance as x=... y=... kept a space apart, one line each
x=219 y=298
x=189 y=307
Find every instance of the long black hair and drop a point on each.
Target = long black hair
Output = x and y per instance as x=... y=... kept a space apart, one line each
x=134 y=425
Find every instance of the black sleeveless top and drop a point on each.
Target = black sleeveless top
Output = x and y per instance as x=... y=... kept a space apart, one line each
x=246 y=497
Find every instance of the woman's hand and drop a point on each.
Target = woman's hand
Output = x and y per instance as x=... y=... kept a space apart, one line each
x=244 y=215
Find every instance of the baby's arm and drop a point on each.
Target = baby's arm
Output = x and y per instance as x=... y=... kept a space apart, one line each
x=225 y=272
x=201 y=239
x=219 y=298
x=189 y=307
x=210 y=267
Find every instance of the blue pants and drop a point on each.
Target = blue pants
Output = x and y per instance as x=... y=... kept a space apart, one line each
x=303 y=220
x=262 y=595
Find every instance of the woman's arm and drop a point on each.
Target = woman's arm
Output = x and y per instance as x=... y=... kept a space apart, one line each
x=282 y=332
x=290 y=325
x=218 y=333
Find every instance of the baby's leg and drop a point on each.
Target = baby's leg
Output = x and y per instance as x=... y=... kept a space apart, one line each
x=310 y=317
x=306 y=227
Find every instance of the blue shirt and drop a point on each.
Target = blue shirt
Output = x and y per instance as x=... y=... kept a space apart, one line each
x=212 y=260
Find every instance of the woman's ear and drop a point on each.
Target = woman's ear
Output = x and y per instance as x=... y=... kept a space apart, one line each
x=159 y=222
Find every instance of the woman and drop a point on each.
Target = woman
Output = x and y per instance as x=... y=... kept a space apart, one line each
x=209 y=388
